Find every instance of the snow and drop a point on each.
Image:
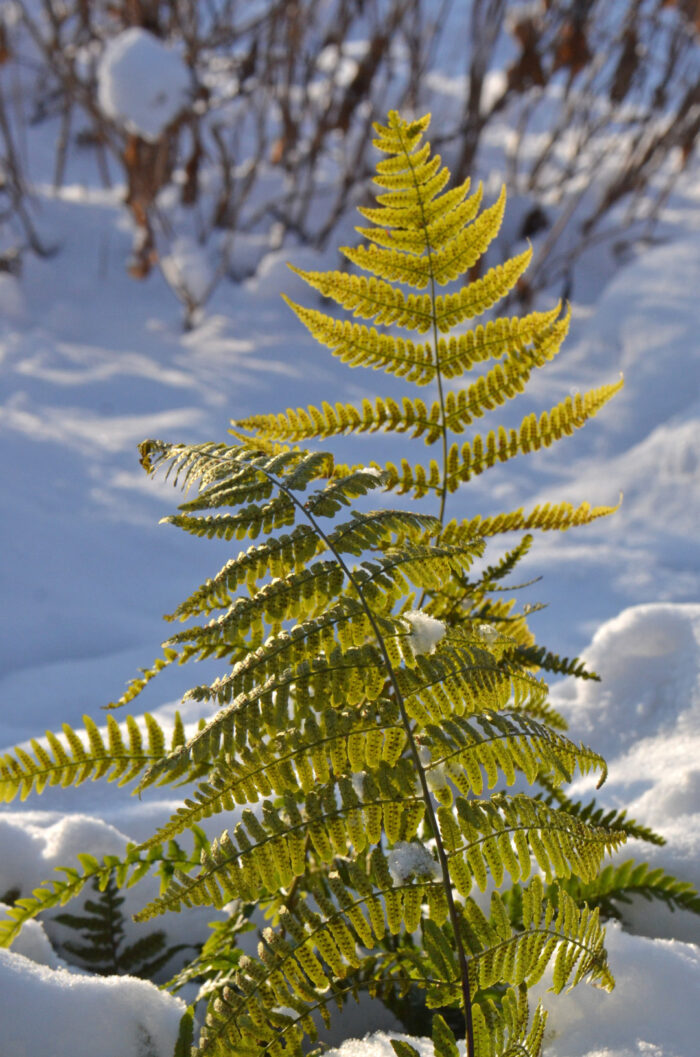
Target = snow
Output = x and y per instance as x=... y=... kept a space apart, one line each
x=410 y=859
x=33 y=943
x=646 y=713
x=142 y=84
x=34 y=844
x=358 y=784
x=425 y=631
x=488 y=633
x=189 y=270
x=86 y=1015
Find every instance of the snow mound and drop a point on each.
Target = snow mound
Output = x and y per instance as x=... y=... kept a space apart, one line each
x=88 y=1016
x=645 y=720
x=141 y=84
x=34 y=844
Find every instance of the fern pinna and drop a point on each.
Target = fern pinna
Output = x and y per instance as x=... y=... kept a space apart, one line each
x=374 y=691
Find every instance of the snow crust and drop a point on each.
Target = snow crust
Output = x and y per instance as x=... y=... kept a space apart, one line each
x=142 y=84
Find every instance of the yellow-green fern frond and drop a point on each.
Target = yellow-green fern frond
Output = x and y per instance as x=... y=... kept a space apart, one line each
x=505 y=835
x=498 y=446
x=362 y=346
x=509 y=337
x=441 y=265
x=467 y=749
x=529 y=341
x=545 y=517
x=71 y=758
x=372 y=298
x=481 y=294
x=274 y=557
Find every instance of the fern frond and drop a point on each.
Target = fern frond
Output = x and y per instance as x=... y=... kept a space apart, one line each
x=442 y=265
x=277 y=555
x=484 y=452
x=71 y=758
x=381 y=528
x=480 y=295
x=266 y=854
x=361 y=346
x=135 y=686
x=504 y=835
x=525 y=341
x=502 y=744
x=503 y=336
x=462 y=677
x=103 y=950
x=372 y=299
x=251 y=520
x=546 y=517
x=124 y=872
x=619 y=883
x=294 y=760
x=540 y=657
x=441 y=218
x=572 y=936
x=594 y=815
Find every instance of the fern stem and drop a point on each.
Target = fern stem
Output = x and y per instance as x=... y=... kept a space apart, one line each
x=438 y=372
x=427 y=798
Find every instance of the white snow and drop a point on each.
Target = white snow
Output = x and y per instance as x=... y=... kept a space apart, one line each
x=645 y=718
x=488 y=633
x=33 y=943
x=410 y=859
x=82 y=1015
x=142 y=84
x=188 y=269
x=358 y=784
x=425 y=631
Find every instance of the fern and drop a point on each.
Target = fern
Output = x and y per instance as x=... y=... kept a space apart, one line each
x=619 y=883
x=378 y=694
x=103 y=950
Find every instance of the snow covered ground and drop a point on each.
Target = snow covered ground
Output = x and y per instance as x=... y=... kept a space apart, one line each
x=92 y=362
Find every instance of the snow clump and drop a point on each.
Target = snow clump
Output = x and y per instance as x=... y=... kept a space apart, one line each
x=188 y=269
x=410 y=860
x=425 y=632
x=141 y=84
x=488 y=633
